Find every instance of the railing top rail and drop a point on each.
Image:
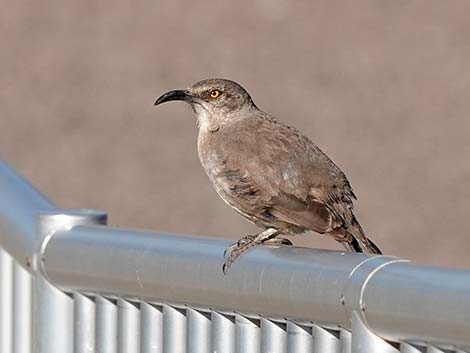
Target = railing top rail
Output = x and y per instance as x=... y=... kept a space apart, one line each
x=396 y=299
x=20 y=203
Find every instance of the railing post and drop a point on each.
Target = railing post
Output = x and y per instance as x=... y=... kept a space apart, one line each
x=53 y=309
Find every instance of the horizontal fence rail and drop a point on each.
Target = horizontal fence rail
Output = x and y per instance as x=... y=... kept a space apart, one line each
x=69 y=283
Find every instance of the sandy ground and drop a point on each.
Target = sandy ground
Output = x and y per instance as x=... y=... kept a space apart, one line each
x=382 y=87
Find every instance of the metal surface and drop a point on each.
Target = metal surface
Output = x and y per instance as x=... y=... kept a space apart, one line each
x=247 y=333
x=273 y=337
x=411 y=348
x=84 y=324
x=6 y=302
x=174 y=330
x=223 y=333
x=296 y=283
x=128 y=327
x=22 y=309
x=151 y=328
x=345 y=337
x=364 y=341
x=20 y=203
x=283 y=282
x=299 y=338
x=199 y=330
x=326 y=341
x=53 y=309
x=266 y=304
x=106 y=326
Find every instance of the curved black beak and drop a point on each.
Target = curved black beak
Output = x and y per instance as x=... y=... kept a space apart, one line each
x=177 y=95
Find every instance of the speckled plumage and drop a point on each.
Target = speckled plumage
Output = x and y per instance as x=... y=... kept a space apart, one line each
x=269 y=172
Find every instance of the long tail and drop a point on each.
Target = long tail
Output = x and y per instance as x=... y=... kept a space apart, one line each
x=366 y=244
x=354 y=239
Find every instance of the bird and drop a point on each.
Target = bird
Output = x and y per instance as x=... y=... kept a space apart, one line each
x=268 y=171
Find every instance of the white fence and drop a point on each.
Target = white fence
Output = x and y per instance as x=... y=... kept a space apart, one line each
x=69 y=283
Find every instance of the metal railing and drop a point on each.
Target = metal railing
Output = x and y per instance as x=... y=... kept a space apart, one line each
x=69 y=283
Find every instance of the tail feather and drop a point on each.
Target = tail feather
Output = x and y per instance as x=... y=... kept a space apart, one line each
x=354 y=239
x=367 y=245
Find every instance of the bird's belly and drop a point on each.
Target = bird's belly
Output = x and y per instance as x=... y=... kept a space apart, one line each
x=226 y=184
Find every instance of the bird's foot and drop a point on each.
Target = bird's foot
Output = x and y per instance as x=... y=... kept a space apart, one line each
x=238 y=244
x=245 y=243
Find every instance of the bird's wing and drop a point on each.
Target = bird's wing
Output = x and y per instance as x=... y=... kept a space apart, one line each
x=292 y=177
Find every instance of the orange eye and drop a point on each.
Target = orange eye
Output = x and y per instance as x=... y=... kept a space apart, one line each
x=215 y=93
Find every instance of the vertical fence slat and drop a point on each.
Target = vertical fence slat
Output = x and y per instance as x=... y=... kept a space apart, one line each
x=128 y=327
x=53 y=310
x=345 y=337
x=247 y=335
x=299 y=338
x=52 y=314
x=363 y=340
x=199 y=329
x=151 y=328
x=326 y=341
x=174 y=330
x=222 y=333
x=84 y=324
x=406 y=347
x=106 y=326
x=6 y=302
x=22 y=309
x=433 y=349
x=273 y=337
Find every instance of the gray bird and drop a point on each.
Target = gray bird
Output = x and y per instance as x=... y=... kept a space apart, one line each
x=268 y=171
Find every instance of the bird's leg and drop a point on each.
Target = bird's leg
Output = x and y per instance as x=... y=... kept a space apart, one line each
x=245 y=243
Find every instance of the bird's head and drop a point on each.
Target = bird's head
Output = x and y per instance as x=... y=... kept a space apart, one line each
x=215 y=101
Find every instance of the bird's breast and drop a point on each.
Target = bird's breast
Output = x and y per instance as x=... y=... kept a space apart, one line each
x=229 y=181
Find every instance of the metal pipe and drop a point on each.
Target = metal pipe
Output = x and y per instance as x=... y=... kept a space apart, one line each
x=199 y=330
x=174 y=330
x=106 y=326
x=53 y=309
x=84 y=324
x=297 y=283
x=273 y=337
x=19 y=205
x=363 y=340
x=223 y=333
x=345 y=337
x=247 y=332
x=393 y=298
x=418 y=303
x=299 y=338
x=326 y=341
x=406 y=347
x=152 y=328
x=6 y=302
x=128 y=327
x=22 y=309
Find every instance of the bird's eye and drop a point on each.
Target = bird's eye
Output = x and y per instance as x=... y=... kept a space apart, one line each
x=215 y=93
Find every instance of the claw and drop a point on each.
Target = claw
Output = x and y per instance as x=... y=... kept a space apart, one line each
x=238 y=244
x=285 y=241
x=229 y=261
x=225 y=268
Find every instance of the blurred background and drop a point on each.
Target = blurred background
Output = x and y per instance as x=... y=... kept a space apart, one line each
x=382 y=87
